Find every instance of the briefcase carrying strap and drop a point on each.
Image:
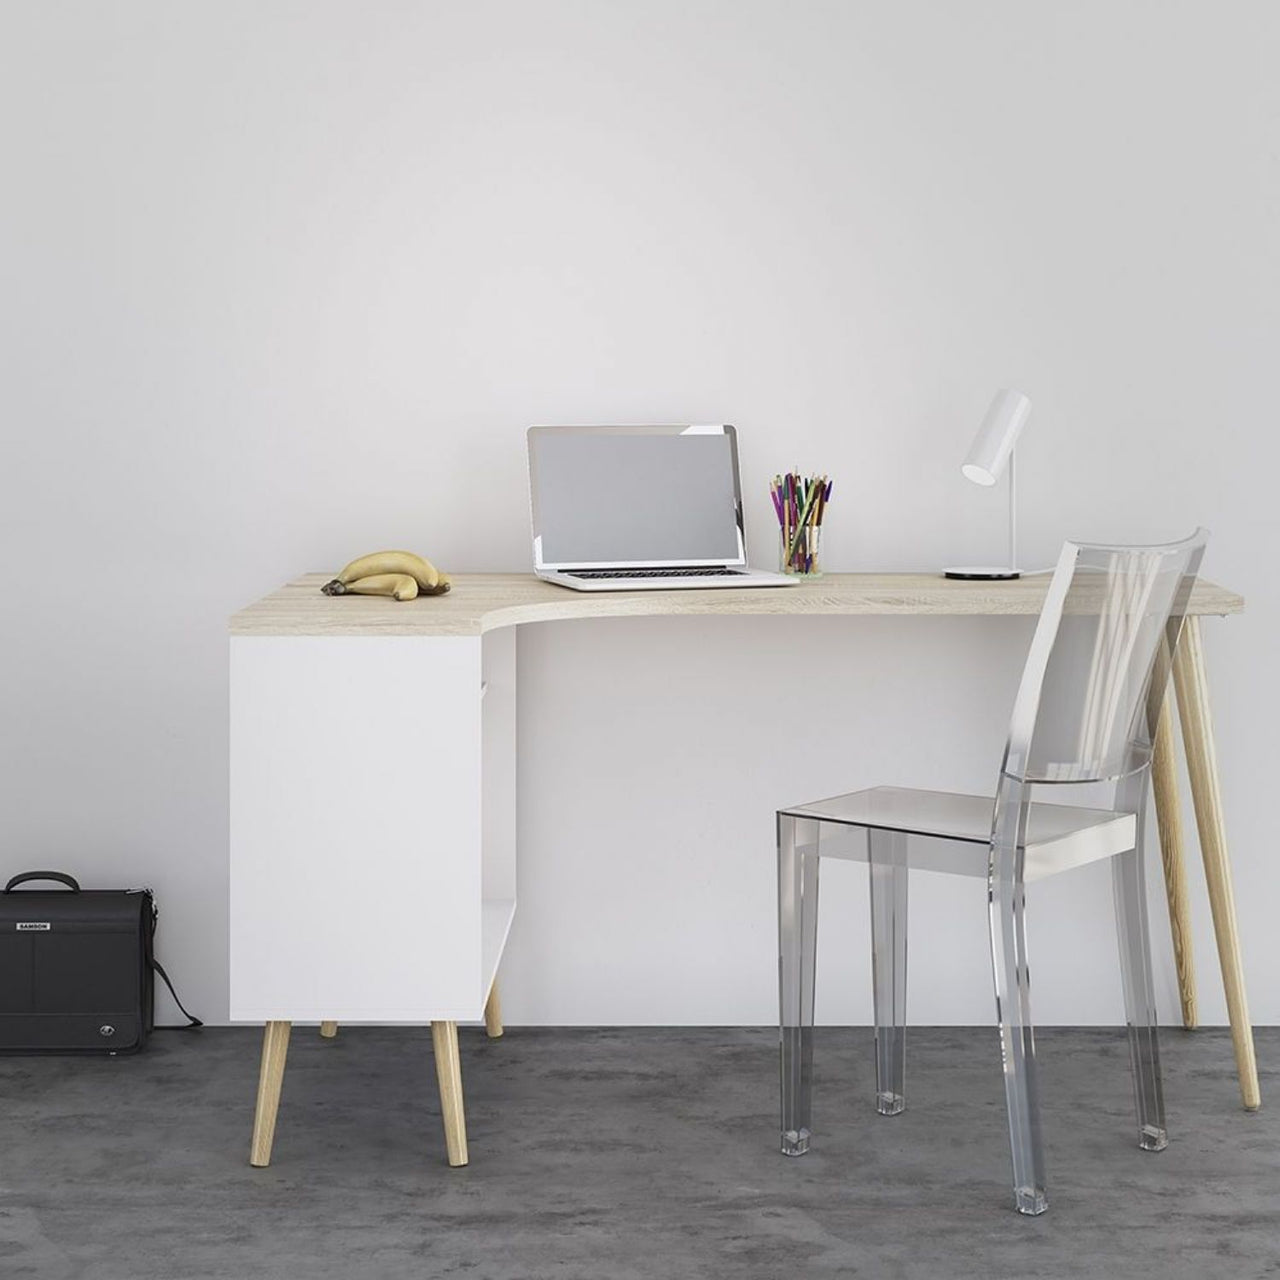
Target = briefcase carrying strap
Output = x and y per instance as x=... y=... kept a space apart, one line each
x=76 y=968
x=156 y=967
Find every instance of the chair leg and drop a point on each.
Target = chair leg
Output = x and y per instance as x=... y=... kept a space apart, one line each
x=493 y=1013
x=328 y=1030
x=1139 y=996
x=797 y=951
x=444 y=1040
x=888 y=864
x=1017 y=1035
x=275 y=1048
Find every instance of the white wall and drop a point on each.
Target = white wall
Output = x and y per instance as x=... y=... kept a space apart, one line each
x=281 y=283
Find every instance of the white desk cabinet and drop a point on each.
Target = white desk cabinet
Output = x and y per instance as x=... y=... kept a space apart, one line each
x=372 y=825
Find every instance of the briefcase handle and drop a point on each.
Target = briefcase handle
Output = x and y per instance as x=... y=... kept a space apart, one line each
x=60 y=876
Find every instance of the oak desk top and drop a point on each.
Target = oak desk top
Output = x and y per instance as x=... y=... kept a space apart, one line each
x=481 y=602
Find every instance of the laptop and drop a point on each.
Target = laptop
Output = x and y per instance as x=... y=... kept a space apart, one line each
x=639 y=509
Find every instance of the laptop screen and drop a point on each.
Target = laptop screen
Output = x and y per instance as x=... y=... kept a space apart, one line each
x=634 y=496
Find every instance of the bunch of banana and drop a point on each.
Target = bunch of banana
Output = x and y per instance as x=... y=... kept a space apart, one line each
x=398 y=574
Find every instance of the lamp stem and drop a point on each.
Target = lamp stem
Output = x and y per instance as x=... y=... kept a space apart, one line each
x=1013 y=511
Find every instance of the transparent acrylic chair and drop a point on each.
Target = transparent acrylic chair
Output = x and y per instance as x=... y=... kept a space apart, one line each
x=1085 y=713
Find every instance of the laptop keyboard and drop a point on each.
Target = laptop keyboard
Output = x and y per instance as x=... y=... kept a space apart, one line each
x=712 y=571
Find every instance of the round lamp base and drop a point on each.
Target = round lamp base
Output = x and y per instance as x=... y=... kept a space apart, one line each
x=982 y=573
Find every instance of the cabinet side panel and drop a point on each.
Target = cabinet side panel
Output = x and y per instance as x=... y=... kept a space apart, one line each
x=355 y=828
x=499 y=753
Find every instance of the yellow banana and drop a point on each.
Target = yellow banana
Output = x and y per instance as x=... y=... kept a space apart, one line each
x=440 y=588
x=423 y=572
x=401 y=586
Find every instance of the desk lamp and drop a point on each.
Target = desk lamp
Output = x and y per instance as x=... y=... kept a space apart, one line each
x=991 y=450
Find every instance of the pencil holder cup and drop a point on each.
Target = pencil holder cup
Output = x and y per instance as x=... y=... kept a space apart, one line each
x=798 y=552
x=799 y=502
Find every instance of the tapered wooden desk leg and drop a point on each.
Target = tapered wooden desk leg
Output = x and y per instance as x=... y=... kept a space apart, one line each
x=275 y=1048
x=1202 y=766
x=1164 y=780
x=444 y=1040
x=493 y=1013
x=328 y=1030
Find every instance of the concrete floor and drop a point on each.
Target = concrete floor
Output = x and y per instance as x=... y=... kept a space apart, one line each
x=625 y=1155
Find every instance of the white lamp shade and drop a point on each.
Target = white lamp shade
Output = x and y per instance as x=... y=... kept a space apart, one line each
x=999 y=432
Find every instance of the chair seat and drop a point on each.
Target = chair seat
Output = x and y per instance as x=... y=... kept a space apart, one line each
x=950 y=832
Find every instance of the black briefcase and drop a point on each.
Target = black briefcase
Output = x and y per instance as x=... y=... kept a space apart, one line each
x=77 y=968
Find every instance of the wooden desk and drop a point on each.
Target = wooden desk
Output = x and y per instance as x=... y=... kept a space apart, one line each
x=373 y=740
x=483 y=602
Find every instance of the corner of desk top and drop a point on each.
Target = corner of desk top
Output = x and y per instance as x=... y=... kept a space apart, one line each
x=300 y=609
x=1210 y=600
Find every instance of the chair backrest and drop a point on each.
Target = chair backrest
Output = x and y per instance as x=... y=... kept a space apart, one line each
x=1099 y=662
